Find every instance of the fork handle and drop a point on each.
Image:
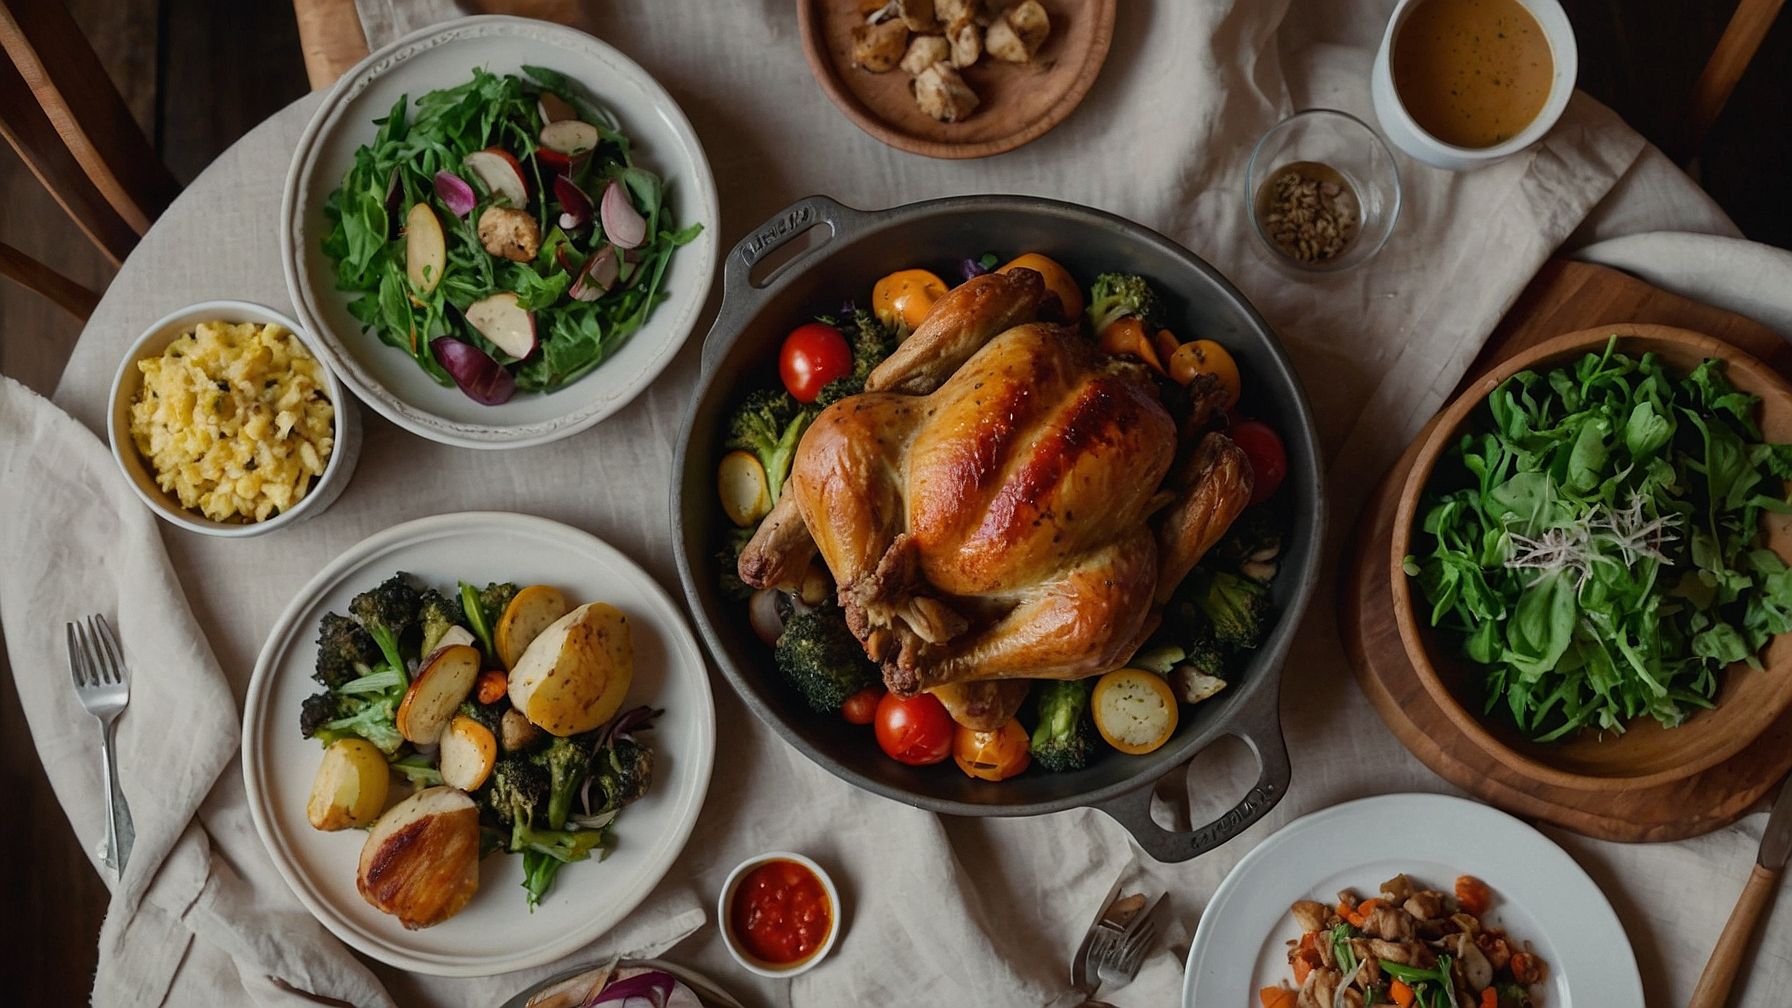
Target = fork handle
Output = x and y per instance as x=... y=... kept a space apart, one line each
x=118 y=851
x=1714 y=984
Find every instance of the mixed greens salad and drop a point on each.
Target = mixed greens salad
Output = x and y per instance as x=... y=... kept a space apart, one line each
x=1604 y=559
x=501 y=234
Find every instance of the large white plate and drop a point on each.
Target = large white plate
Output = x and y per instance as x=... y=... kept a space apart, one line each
x=1540 y=896
x=444 y=56
x=496 y=933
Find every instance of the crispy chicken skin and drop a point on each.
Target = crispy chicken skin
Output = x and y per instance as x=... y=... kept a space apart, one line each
x=1216 y=486
x=421 y=859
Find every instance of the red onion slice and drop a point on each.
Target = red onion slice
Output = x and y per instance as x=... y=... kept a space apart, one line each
x=575 y=206
x=652 y=988
x=623 y=224
x=455 y=193
x=478 y=374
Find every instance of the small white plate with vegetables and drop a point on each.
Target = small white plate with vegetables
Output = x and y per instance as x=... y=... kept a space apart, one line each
x=500 y=230
x=474 y=742
x=1537 y=915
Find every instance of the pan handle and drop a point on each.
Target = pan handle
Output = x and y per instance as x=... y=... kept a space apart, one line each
x=741 y=300
x=1260 y=727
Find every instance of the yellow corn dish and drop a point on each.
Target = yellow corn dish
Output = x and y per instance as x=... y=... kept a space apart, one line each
x=234 y=419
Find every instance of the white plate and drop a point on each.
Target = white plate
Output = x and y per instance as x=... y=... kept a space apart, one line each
x=444 y=56
x=495 y=933
x=1540 y=896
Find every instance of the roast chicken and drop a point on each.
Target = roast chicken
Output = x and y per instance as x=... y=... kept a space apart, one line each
x=1004 y=502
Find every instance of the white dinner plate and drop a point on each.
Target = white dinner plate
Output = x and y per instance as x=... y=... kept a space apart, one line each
x=442 y=56
x=1539 y=895
x=495 y=933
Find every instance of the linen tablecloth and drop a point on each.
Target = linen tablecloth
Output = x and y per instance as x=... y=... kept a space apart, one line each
x=939 y=911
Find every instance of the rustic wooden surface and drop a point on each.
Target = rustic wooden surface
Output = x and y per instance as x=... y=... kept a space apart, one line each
x=1565 y=297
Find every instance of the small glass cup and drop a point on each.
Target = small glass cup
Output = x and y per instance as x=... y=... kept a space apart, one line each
x=1351 y=148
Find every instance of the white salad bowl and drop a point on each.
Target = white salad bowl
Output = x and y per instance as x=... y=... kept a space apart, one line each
x=444 y=56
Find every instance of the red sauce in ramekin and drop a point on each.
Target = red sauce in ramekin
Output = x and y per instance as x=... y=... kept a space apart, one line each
x=780 y=913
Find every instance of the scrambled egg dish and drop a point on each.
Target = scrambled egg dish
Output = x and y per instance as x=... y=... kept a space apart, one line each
x=234 y=419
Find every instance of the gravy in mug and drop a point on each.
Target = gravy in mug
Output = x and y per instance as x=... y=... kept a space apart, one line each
x=1472 y=73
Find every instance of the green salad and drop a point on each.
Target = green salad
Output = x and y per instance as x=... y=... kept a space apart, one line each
x=501 y=234
x=1602 y=554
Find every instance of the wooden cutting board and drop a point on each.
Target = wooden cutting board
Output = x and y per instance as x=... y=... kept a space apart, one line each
x=1564 y=297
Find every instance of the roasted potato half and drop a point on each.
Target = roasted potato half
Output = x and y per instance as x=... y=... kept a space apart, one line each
x=575 y=674
x=350 y=786
x=421 y=860
x=443 y=680
x=469 y=749
x=533 y=610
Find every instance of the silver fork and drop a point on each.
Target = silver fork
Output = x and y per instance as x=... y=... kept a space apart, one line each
x=103 y=685
x=1112 y=953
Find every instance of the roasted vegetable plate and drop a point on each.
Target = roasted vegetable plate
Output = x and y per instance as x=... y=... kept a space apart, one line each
x=1012 y=521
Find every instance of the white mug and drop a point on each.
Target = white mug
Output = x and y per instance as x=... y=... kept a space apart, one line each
x=1409 y=136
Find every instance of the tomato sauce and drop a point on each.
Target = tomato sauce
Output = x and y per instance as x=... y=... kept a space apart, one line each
x=780 y=913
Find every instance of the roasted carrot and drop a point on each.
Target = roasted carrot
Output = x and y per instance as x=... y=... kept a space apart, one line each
x=1401 y=994
x=1167 y=344
x=1490 y=998
x=1305 y=961
x=492 y=685
x=1473 y=894
x=1277 y=997
x=1127 y=336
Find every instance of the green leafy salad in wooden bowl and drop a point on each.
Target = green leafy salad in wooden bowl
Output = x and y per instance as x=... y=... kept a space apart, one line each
x=501 y=234
x=1596 y=537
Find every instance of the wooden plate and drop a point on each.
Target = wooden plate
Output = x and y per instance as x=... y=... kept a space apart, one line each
x=1565 y=296
x=1019 y=102
x=1645 y=754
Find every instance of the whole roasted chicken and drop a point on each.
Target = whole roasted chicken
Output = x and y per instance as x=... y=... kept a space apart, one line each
x=1004 y=502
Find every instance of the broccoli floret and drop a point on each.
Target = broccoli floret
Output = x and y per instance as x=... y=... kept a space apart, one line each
x=1253 y=544
x=1160 y=659
x=769 y=424
x=1205 y=656
x=519 y=790
x=1117 y=295
x=1064 y=739
x=624 y=771
x=728 y=564
x=871 y=342
x=822 y=659
x=483 y=607
x=318 y=710
x=365 y=707
x=386 y=612
x=418 y=769
x=1236 y=607
x=438 y=613
x=568 y=762
x=345 y=650
x=490 y=715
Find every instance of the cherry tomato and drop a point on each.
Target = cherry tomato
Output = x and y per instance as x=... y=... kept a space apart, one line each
x=861 y=707
x=1263 y=447
x=1206 y=357
x=992 y=755
x=905 y=297
x=914 y=730
x=1057 y=280
x=813 y=355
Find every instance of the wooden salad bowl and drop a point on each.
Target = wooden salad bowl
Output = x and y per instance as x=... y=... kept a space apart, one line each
x=1020 y=102
x=1645 y=755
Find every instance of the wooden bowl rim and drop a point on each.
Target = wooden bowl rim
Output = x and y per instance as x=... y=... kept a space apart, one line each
x=1433 y=447
x=827 y=75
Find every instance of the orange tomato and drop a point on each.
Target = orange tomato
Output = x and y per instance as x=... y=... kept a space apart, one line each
x=1473 y=894
x=905 y=297
x=1127 y=336
x=992 y=755
x=1057 y=280
x=1206 y=357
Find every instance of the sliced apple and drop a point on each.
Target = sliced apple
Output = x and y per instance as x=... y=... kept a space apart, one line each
x=443 y=680
x=554 y=108
x=500 y=319
x=533 y=610
x=350 y=787
x=425 y=250
x=570 y=137
x=500 y=173
x=467 y=754
x=555 y=162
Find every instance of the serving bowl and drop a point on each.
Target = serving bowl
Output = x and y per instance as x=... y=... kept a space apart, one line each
x=1645 y=755
x=443 y=56
x=740 y=354
x=128 y=382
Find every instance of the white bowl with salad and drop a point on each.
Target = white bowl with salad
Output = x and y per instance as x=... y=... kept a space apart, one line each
x=500 y=230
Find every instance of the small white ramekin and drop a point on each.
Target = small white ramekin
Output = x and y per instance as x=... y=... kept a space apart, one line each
x=725 y=920
x=1405 y=133
x=128 y=382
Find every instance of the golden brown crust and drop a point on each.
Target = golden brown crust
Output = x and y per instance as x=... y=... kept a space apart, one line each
x=986 y=704
x=960 y=323
x=1216 y=487
x=424 y=868
x=778 y=555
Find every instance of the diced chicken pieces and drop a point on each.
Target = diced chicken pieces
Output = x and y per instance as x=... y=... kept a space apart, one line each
x=967 y=43
x=1430 y=904
x=1310 y=915
x=1394 y=952
x=879 y=47
x=1494 y=946
x=1389 y=922
x=1319 y=988
x=1359 y=947
x=924 y=51
x=1398 y=889
x=1527 y=969
x=943 y=94
x=952 y=11
x=509 y=232
x=1466 y=924
x=1017 y=35
x=918 y=16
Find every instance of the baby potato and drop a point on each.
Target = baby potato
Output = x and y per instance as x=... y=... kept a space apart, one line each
x=350 y=787
x=575 y=674
x=529 y=613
